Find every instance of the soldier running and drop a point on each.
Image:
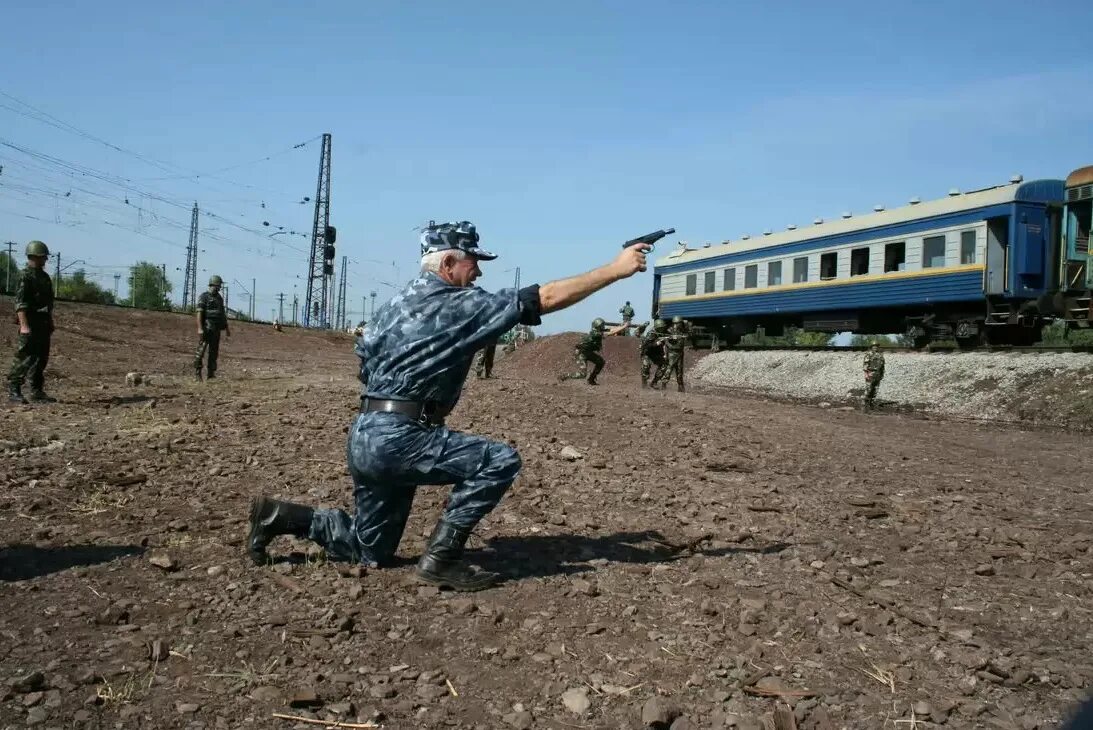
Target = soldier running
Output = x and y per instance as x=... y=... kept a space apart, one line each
x=675 y=343
x=415 y=358
x=34 y=314
x=212 y=319
x=588 y=351
x=874 y=373
x=652 y=352
x=483 y=361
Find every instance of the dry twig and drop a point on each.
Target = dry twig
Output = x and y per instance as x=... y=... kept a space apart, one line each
x=327 y=723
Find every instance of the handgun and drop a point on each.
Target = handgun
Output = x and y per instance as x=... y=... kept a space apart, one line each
x=648 y=238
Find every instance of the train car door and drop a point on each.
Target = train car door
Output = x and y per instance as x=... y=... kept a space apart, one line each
x=998 y=236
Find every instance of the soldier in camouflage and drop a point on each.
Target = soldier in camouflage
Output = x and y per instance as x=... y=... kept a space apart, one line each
x=652 y=352
x=415 y=357
x=483 y=361
x=874 y=373
x=627 y=313
x=675 y=343
x=212 y=319
x=588 y=351
x=34 y=315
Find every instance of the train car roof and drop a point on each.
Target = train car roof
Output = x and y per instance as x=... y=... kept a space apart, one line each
x=1038 y=191
x=1081 y=176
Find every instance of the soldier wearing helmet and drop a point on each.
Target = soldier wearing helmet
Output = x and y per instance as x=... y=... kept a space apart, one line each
x=34 y=313
x=415 y=358
x=652 y=351
x=588 y=351
x=675 y=342
x=212 y=319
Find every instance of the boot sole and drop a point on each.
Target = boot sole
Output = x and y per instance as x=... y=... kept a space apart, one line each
x=439 y=582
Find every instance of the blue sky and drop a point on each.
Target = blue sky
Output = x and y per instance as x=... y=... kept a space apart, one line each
x=560 y=129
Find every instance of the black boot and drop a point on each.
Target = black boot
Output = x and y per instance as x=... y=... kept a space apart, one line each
x=272 y=517
x=440 y=565
x=37 y=395
x=15 y=395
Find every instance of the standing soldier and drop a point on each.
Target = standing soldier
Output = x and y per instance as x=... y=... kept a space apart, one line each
x=483 y=361
x=652 y=352
x=675 y=342
x=212 y=318
x=34 y=313
x=627 y=313
x=874 y=373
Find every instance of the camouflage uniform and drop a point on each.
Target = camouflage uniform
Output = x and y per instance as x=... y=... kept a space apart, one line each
x=417 y=350
x=35 y=297
x=483 y=361
x=874 y=373
x=214 y=320
x=675 y=344
x=627 y=313
x=652 y=353
x=588 y=351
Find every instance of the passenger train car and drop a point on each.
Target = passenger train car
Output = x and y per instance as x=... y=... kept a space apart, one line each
x=981 y=266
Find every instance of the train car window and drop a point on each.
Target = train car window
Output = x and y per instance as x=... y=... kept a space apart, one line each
x=709 y=282
x=967 y=247
x=859 y=261
x=774 y=273
x=800 y=269
x=692 y=284
x=751 y=276
x=829 y=265
x=895 y=256
x=933 y=252
x=729 y=283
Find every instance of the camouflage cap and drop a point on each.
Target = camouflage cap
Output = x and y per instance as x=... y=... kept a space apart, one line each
x=461 y=236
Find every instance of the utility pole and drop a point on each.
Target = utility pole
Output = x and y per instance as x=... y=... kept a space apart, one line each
x=117 y=278
x=253 y=289
x=340 y=318
x=189 y=280
x=295 y=310
x=165 y=303
x=57 y=277
x=281 y=307
x=9 y=266
x=372 y=295
x=321 y=265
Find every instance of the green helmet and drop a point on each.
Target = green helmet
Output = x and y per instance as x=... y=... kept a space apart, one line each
x=37 y=248
x=660 y=324
x=677 y=319
x=599 y=324
x=215 y=280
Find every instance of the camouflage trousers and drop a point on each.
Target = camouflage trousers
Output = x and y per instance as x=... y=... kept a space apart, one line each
x=674 y=366
x=389 y=457
x=210 y=340
x=483 y=361
x=652 y=363
x=583 y=358
x=872 y=383
x=31 y=358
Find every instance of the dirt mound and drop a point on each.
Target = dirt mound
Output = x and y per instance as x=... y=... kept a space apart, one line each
x=544 y=358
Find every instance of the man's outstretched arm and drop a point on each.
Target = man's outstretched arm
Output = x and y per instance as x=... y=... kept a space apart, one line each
x=563 y=293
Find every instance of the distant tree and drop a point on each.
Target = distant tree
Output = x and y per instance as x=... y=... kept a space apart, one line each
x=9 y=274
x=882 y=340
x=77 y=288
x=148 y=287
x=806 y=338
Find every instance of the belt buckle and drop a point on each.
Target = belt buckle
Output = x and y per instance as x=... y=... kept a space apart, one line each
x=428 y=409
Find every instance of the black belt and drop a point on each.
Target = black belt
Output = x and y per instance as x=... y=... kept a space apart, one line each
x=430 y=413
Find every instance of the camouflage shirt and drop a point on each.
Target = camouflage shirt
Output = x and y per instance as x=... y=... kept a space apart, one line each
x=676 y=341
x=627 y=312
x=874 y=362
x=592 y=342
x=35 y=294
x=420 y=345
x=651 y=339
x=214 y=315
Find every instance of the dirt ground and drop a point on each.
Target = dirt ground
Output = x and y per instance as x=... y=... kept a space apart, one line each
x=691 y=560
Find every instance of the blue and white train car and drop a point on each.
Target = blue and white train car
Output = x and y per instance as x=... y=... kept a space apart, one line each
x=977 y=266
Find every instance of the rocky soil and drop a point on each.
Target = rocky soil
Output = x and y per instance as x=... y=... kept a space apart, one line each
x=683 y=561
